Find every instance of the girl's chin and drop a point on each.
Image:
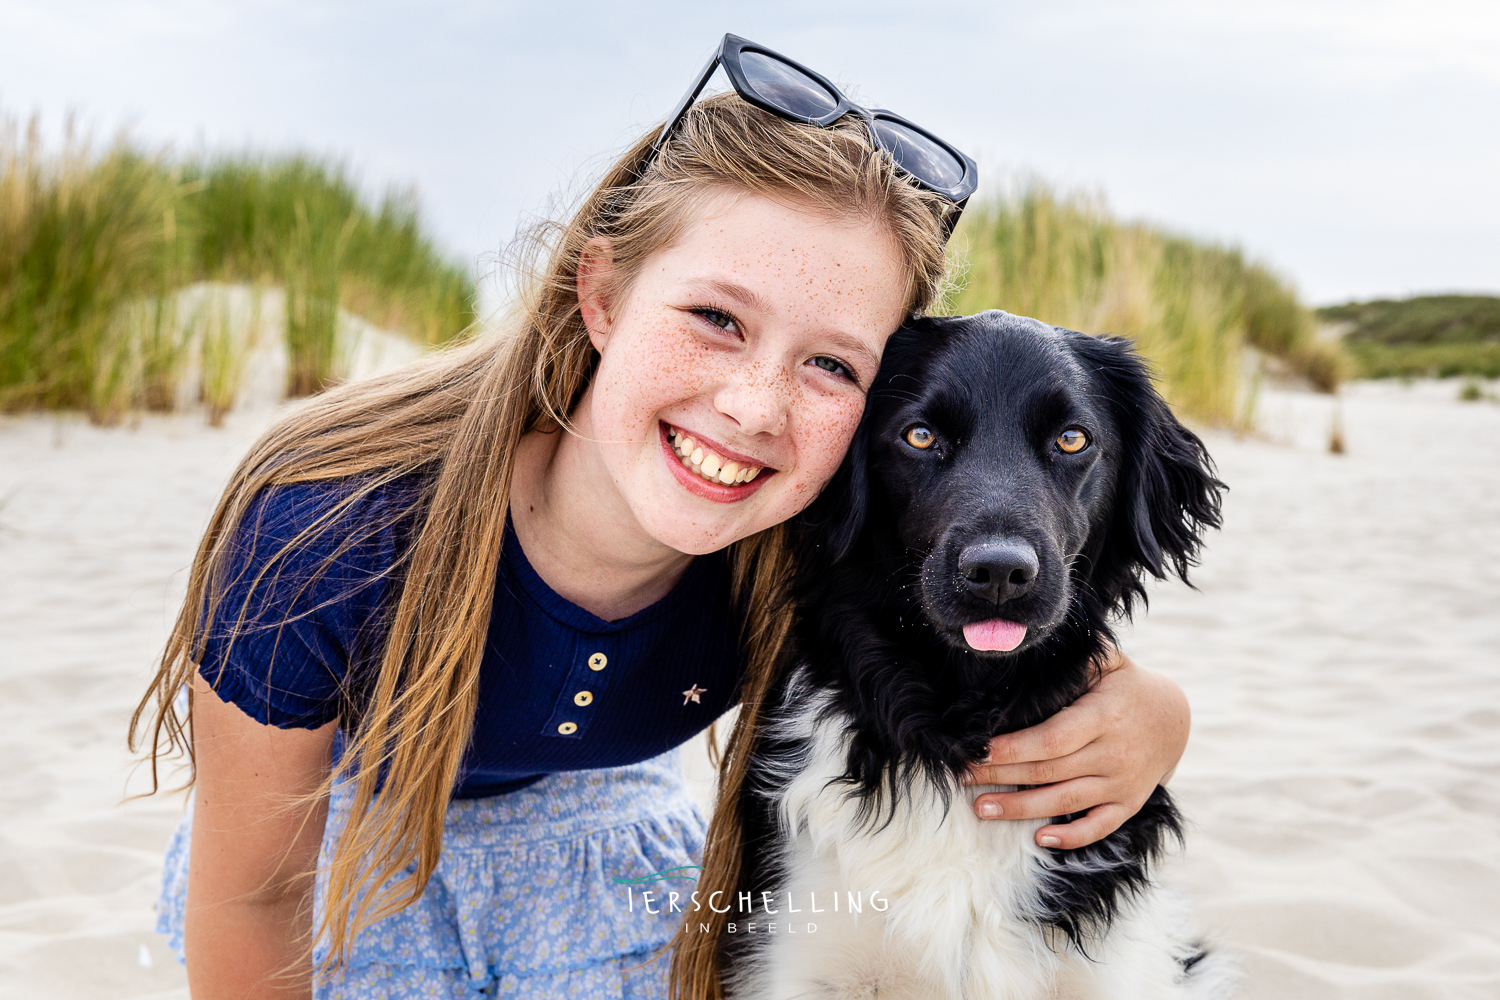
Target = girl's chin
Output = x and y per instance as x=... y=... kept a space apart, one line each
x=681 y=520
x=688 y=531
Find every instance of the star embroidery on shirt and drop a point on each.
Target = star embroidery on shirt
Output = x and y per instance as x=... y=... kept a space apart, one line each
x=692 y=693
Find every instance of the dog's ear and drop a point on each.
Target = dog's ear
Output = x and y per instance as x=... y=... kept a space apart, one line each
x=1166 y=493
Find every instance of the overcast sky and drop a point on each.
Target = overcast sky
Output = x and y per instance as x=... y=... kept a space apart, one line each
x=1353 y=146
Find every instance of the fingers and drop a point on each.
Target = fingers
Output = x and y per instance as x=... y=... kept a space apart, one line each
x=1065 y=733
x=1100 y=822
x=1093 y=758
x=1039 y=772
x=1100 y=757
x=1045 y=802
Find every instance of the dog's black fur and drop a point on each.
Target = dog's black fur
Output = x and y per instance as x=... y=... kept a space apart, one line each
x=882 y=600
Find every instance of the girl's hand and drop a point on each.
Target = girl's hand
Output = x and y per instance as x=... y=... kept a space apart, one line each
x=1103 y=755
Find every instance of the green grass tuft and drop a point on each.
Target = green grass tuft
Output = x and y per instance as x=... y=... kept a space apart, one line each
x=1191 y=307
x=96 y=245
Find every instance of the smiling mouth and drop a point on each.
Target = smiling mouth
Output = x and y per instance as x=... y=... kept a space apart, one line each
x=707 y=463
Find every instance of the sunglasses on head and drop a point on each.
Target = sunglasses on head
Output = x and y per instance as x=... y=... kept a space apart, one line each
x=776 y=84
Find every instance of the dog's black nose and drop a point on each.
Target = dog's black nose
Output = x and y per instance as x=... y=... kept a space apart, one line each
x=1000 y=570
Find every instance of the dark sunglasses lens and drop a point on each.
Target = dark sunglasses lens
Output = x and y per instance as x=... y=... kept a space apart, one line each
x=919 y=156
x=787 y=87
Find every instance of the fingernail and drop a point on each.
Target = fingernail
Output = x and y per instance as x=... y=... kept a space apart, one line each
x=989 y=810
x=989 y=755
x=1051 y=842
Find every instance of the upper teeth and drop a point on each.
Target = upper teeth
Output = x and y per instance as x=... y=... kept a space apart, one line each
x=707 y=464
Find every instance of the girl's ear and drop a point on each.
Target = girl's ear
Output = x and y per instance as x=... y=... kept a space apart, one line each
x=595 y=290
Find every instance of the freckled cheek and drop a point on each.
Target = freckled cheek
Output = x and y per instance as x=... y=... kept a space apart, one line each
x=660 y=371
x=825 y=436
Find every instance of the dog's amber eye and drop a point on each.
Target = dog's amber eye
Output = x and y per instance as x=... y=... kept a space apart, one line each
x=1072 y=440
x=920 y=437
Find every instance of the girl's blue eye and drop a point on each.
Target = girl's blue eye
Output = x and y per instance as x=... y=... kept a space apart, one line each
x=833 y=365
x=722 y=320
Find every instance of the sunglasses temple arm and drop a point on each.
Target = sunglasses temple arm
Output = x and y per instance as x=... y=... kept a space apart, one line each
x=951 y=222
x=687 y=102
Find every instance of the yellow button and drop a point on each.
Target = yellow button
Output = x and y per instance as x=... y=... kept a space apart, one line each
x=598 y=661
x=568 y=728
x=583 y=698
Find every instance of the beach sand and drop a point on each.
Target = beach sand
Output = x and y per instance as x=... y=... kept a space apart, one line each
x=1342 y=656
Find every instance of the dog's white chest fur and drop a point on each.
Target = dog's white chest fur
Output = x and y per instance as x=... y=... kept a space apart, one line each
x=959 y=896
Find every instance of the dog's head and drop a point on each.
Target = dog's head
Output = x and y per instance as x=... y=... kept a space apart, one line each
x=1023 y=473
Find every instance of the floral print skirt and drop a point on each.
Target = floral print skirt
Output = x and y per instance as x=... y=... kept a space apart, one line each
x=530 y=898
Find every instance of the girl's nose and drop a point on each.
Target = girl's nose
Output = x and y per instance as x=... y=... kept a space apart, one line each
x=758 y=398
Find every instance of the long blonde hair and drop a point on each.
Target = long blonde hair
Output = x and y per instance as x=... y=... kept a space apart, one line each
x=458 y=416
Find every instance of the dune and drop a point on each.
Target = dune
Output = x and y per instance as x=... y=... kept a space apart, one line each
x=1340 y=652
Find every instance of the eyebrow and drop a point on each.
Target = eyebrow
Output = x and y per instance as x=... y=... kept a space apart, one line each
x=857 y=353
x=855 y=349
x=744 y=296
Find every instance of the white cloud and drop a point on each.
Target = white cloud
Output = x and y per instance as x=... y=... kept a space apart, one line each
x=1350 y=144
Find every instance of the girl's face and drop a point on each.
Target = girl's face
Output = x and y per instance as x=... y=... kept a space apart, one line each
x=733 y=370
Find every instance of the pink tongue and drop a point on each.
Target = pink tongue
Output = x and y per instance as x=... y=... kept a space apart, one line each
x=997 y=634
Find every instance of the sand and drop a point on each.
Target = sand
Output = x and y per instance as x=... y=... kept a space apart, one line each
x=1342 y=656
x=1343 y=662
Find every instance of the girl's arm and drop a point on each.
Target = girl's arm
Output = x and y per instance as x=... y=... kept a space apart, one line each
x=254 y=849
x=1102 y=755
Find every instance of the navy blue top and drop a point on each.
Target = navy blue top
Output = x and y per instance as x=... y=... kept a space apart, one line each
x=559 y=689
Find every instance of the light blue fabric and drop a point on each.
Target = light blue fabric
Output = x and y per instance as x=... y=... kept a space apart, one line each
x=523 y=903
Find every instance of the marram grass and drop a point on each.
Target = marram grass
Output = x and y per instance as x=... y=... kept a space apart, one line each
x=81 y=237
x=97 y=245
x=1191 y=308
x=226 y=335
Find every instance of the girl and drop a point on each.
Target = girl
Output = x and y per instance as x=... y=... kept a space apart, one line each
x=447 y=626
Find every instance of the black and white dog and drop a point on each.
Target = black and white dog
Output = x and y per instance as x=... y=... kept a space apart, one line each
x=1008 y=488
